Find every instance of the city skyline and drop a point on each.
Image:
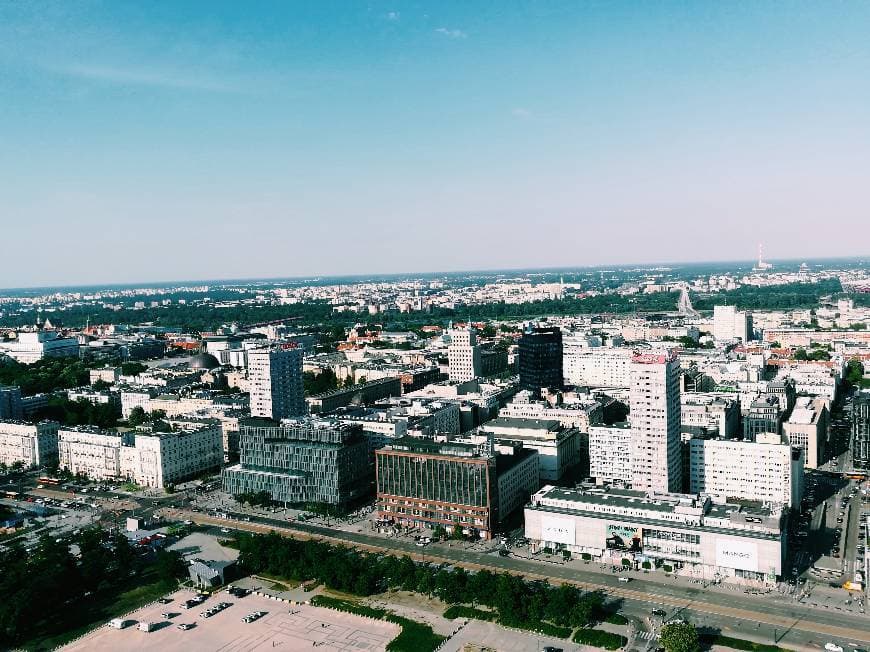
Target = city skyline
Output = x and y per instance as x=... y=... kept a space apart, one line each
x=157 y=143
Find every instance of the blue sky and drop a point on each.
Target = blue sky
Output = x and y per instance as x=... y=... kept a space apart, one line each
x=184 y=140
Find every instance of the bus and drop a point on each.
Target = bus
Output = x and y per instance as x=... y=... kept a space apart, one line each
x=51 y=481
x=14 y=495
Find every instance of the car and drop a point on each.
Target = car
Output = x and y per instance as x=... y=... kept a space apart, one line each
x=225 y=530
x=624 y=579
x=184 y=626
x=165 y=601
x=421 y=544
x=550 y=648
x=659 y=612
x=833 y=647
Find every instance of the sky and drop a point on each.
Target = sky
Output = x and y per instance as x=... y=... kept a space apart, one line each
x=197 y=140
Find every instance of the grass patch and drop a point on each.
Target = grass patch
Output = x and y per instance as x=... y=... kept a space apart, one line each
x=599 y=638
x=616 y=619
x=740 y=644
x=460 y=611
x=277 y=586
x=348 y=606
x=414 y=637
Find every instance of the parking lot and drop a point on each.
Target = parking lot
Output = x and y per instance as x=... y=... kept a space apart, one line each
x=285 y=626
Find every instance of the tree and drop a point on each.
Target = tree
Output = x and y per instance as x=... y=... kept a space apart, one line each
x=137 y=417
x=99 y=385
x=679 y=637
x=800 y=354
x=132 y=368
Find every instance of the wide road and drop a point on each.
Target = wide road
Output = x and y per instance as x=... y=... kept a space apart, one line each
x=802 y=623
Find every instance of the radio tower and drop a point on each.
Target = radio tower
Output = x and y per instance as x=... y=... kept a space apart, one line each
x=762 y=266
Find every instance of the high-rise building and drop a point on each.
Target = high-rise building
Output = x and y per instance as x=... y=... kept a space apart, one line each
x=275 y=377
x=730 y=324
x=861 y=431
x=10 y=403
x=463 y=355
x=540 y=359
x=654 y=401
x=807 y=429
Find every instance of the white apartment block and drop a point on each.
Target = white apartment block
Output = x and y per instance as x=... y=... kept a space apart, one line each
x=766 y=470
x=610 y=454
x=702 y=413
x=92 y=452
x=730 y=324
x=596 y=366
x=463 y=355
x=654 y=404
x=106 y=374
x=148 y=459
x=166 y=458
x=136 y=397
x=33 y=444
x=275 y=378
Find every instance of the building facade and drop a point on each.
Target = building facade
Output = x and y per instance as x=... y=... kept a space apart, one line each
x=540 y=359
x=275 y=382
x=807 y=429
x=301 y=461
x=861 y=432
x=688 y=535
x=766 y=470
x=654 y=411
x=463 y=355
x=32 y=444
x=731 y=324
x=610 y=454
x=10 y=403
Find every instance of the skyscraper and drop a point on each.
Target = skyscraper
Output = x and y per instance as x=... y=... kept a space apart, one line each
x=275 y=377
x=540 y=359
x=654 y=398
x=463 y=355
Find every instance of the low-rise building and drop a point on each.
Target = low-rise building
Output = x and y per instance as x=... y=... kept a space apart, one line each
x=32 y=346
x=362 y=394
x=31 y=444
x=686 y=534
x=709 y=414
x=157 y=459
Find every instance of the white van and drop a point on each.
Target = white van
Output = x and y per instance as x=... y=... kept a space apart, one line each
x=624 y=579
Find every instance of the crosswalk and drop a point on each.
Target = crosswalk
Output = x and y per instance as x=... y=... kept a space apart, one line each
x=646 y=636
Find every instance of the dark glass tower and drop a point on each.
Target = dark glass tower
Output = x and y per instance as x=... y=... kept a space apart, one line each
x=540 y=359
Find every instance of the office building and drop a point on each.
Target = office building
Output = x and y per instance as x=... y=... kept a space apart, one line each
x=766 y=470
x=580 y=413
x=610 y=454
x=10 y=403
x=423 y=483
x=540 y=359
x=275 y=378
x=807 y=429
x=709 y=414
x=31 y=444
x=684 y=534
x=731 y=324
x=301 y=461
x=463 y=355
x=654 y=413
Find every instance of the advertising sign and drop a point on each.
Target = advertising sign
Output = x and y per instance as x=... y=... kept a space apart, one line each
x=623 y=537
x=557 y=530
x=737 y=554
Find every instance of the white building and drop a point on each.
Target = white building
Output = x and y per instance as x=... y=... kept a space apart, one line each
x=766 y=470
x=580 y=414
x=596 y=366
x=275 y=377
x=463 y=355
x=807 y=428
x=678 y=533
x=165 y=458
x=33 y=444
x=559 y=448
x=731 y=324
x=150 y=459
x=702 y=413
x=654 y=404
x=610 y=454
x=32 y=346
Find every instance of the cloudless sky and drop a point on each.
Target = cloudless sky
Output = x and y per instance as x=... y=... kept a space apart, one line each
x=190 y=140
